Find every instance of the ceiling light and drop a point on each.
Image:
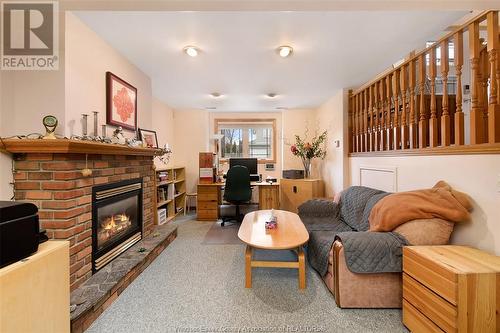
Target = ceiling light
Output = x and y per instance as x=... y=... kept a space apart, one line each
x=191 y=51
x=210 y=107
x=284 y=51
x=272 y=95
x=216 y=95
x=281 y=108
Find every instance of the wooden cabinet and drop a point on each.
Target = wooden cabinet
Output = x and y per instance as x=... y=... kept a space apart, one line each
x=294 y=192
x=207 y=206
x=269 y=196
x=34 y=293
x=450 y=289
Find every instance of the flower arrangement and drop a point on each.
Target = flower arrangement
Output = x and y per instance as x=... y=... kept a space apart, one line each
x=309 y=150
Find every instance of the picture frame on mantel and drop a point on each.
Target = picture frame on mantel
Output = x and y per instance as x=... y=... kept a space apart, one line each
x=148 y=137
x=121 y=102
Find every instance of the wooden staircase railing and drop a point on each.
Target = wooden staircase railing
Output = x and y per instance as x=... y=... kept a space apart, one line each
x=401 y=112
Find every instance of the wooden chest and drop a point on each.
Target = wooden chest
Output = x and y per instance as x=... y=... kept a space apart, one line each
x=295 y=192
x=450 y=289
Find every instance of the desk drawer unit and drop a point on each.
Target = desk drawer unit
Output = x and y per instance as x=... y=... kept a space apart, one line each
x=295 y=192
x=207 y=208
x=450 y=289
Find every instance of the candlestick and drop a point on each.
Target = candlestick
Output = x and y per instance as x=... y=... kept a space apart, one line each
x=84 y=124
x=104 y=134
x=95 y=123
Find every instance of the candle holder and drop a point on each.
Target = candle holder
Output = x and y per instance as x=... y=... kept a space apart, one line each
x=103 y=134
x=95 y=124
x=84 y=125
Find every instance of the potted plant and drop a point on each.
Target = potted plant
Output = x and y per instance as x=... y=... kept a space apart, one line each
x=308 y=150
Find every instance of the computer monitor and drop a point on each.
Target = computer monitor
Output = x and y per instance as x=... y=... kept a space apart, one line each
x=250 y=163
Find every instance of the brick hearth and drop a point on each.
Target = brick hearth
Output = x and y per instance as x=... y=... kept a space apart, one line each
x=54 y=183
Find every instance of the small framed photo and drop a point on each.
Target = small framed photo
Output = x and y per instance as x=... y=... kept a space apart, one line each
x=148 y=137
x=121 y=103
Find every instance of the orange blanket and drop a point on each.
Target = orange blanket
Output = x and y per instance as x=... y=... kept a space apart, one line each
x=439 y=202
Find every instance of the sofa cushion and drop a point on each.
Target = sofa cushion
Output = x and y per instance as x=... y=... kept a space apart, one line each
x=426 y=231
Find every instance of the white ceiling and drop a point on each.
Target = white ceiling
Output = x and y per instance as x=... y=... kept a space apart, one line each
x=332 y=50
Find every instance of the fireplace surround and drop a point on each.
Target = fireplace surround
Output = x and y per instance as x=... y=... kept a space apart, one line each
x=116 y=220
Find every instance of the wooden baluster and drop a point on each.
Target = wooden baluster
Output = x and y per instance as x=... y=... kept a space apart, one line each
x=370 y=120
x=494 y=62
x=412 y=129
x=388 y=117
x=483 y=95
x=355 y=119
x=433 y=122
x=476 y=114
x=365 y=120
x=422 y=124
x=458 y=42
x=360 y=110
x=360 y=121
x=396 y=130
x=445 y=116
x=376 y=115
x=404 y=126
x=353 y=124
x=383 y=137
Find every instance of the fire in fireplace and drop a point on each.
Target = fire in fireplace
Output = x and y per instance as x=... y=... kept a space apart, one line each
x=116 y=220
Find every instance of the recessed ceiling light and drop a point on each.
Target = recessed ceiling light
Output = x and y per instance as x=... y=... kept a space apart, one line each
x=191 y=51
x=216 y=95
x=272 y=95
x=284 y=51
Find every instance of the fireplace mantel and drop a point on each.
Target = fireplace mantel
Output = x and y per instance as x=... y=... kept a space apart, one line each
x=67 y=146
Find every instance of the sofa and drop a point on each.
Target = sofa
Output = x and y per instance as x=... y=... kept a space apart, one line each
x=329 y=219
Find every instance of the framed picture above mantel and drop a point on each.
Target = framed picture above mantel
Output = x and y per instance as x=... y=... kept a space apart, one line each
x=121 y=102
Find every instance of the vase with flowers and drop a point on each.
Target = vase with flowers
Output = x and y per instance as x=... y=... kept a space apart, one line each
x=308 y=150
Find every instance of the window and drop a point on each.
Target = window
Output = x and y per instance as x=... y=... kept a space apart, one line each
x=247 y=138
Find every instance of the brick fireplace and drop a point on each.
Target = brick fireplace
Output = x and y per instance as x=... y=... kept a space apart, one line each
x=54 y=182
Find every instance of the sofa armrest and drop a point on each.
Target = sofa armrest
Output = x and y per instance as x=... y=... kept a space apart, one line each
x=319 y=208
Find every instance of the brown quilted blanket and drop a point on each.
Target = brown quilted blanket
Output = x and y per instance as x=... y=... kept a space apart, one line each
x=439 y=202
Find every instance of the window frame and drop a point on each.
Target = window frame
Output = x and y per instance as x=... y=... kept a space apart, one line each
x=249 y=121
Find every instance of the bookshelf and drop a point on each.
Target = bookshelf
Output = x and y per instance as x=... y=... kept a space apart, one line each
x=170 y=194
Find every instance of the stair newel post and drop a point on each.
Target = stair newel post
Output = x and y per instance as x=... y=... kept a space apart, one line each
x=445 y=116
x=396 y=130
x=494 y=63
x=388 y=118
x=433 y=122
x=412 y=128
x=458 y=41
x=422 y=124
x=476 y=114
x=404 y=112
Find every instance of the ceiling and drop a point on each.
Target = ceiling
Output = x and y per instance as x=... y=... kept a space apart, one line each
x=332 y=50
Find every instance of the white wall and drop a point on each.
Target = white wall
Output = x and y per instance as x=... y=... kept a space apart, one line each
x=476 y=175
x=296 y=122
x=88 y=58
x=332 y=116
x=163 y=124
x=191 y=133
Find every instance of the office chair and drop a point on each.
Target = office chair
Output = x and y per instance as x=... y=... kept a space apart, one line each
x=237 y=189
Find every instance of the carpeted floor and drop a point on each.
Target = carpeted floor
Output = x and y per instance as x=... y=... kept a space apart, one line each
x=196 y=287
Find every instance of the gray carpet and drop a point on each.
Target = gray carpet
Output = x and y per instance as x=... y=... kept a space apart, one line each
x=193 y=287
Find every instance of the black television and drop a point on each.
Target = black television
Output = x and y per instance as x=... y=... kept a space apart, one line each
x=250 y=163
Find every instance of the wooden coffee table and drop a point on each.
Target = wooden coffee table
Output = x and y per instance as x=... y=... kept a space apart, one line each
x=290 y=234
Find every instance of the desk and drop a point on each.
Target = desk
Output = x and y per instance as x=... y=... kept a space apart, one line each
x=209 y=199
